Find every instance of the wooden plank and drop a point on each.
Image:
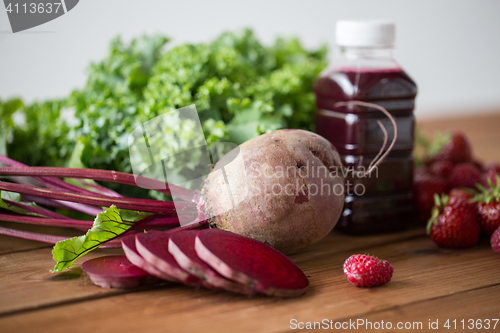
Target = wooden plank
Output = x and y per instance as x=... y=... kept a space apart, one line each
x=474 y=307
x=26 y=282
x=422 y=272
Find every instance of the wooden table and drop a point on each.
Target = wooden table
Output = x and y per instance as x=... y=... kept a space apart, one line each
x=429 y=284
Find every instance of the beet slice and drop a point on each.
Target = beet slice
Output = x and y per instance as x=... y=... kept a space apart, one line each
x=153 y=247
x=116 y=272
x=250 y=262
x=128 y=245
x=181 y=246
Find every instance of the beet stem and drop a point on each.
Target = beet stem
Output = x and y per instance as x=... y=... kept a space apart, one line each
x=49 y=182
x=96 y=174
x=146 y=205
x=51 y=239
x=86 y=209
x=98 y=188
x=39 y=211
x=45 y=221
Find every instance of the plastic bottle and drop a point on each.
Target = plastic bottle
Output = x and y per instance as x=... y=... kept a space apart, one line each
x=365 y=70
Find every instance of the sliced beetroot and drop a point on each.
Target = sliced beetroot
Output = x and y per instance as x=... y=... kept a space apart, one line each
x=128 y=245
x=153 y=247
x=250 y=262
x=116 y=272
x=181 y=246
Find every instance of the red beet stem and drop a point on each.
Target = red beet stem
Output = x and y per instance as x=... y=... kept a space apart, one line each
x=51 y=239
x=86 y=209
x=160 y=221
x=39 y=211
x=50 y=182
x=45 y=221
x=95 y=199
x=156 y=221
x=98 y=188
x=99 y=175
x=79 y=207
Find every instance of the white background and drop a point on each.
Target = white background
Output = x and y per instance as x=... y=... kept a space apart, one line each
x=450 y=47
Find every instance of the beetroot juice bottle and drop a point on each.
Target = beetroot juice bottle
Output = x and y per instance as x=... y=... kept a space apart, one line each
x=365 y=70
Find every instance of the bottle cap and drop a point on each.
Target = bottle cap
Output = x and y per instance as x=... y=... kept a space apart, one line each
x=365 y=33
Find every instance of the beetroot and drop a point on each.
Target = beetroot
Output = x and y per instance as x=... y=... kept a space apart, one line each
x=181 y=246
x=153 y=247
x=283 y=168
x=128 y=245
x=250 y=262
x=116 y=272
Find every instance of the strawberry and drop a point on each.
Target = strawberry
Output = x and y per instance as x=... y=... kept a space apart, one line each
x=490 y=216
x=479 y=165
x=494 y=168
x=420 y=171
x=426 y=185
x=460 y=192
x=454 y=222
x=454 y=148
x=490 y=173
x=488 y=201
x=367 y=271
x=441 y=169
x=495 y=241
x=465 y=175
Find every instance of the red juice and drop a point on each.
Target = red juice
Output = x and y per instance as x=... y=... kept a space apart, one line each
x=382 y=201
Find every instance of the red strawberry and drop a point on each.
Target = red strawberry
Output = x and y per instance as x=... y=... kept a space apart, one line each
x=460 y=193
x=495 y=241
x=367 y=271
x=490 y=216
x=454 y=223
x=494 y=167
x=489 y=205
x=465 y=175
x=441 y=169
x=426 y=185
x=490 y=174
x=479 y=165
x=421 y=171
x=454 y=148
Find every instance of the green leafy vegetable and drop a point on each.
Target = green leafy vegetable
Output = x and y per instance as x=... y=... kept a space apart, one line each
x=107 y=225
x=7 y=109
x=241 y=88
x=42 y=138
